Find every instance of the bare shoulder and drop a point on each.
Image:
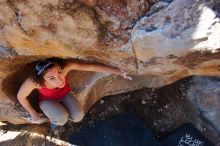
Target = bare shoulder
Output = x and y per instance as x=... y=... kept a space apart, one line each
x=29 y=83
x=26 y=88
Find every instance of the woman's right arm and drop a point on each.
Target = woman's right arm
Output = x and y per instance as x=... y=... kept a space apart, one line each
x=26 y=88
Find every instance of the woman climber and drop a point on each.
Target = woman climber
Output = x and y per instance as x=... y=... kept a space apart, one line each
x=54 y=96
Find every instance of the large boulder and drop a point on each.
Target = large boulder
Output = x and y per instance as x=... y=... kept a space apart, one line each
x=157 y=42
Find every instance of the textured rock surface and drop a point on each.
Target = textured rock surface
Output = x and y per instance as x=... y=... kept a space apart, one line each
x=204 y=94
x=158 y=42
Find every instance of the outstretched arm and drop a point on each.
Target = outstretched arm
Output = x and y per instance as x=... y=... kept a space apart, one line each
x=95 y=68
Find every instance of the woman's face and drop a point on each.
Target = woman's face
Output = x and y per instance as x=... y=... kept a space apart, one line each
x=54 y=77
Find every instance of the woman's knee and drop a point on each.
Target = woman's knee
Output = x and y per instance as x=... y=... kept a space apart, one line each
x=56 y=113
x=78 y=116
x=60 y=119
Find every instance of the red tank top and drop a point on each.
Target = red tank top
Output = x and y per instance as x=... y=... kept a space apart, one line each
x=50 y=94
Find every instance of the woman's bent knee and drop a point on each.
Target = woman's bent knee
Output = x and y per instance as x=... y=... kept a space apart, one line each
x=60 y=119
x=77 y=117
x=56 y=113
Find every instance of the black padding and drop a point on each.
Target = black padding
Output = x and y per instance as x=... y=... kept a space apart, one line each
x=122 y=130
x=187 y=135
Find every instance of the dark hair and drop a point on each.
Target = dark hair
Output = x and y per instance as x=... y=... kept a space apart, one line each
x=38 y=78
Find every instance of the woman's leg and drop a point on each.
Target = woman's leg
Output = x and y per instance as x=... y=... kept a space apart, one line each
x=55 y=111
x=74 y=107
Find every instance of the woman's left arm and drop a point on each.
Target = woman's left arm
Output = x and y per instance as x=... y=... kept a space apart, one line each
x=95 y=68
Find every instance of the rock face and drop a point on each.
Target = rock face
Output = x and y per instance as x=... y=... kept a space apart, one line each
x=157 y=42
x=204 y=94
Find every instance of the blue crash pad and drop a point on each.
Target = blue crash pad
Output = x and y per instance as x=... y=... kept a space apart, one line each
x=187 y=135
x=121 y=130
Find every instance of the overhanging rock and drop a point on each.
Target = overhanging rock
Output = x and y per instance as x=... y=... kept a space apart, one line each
x=158 y=43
